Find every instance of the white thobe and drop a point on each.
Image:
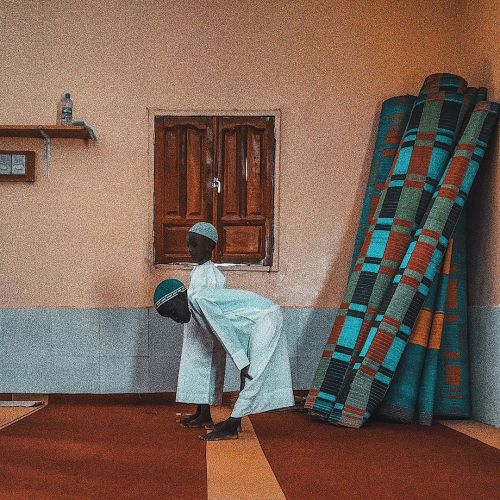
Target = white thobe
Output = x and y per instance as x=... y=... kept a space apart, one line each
x=203 y=358
x=249 y=327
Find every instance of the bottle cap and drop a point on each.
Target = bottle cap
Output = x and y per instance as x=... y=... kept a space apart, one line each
x=67 y=95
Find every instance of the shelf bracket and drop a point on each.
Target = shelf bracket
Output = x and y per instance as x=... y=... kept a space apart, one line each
x=47 y=150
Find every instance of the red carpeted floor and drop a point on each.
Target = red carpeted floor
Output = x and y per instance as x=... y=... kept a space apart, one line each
x=87 y=448
x=314 y=460
x=120 y=450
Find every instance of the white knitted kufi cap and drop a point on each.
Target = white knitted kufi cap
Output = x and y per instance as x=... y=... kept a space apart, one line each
x=205 y=229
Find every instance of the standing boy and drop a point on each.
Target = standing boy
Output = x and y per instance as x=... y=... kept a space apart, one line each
x=203 y=358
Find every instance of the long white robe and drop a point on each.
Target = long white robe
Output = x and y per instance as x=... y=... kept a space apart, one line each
x=203 y=358
x=249 y=327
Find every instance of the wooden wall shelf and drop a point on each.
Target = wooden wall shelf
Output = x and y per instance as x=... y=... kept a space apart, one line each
x=53 y=131
x=47 y=133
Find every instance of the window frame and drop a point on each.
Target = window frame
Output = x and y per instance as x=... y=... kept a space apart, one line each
x=152 y=114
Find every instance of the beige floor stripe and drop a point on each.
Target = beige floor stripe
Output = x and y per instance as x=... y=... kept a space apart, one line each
x=10 y=415
x=238 y=469
x=482 y=432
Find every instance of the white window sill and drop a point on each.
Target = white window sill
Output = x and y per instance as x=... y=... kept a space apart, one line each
x=223 y=267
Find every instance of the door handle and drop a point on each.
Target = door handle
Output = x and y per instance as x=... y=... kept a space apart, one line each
x=216 y=184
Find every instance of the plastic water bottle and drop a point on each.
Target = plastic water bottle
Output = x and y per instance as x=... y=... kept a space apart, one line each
x=66 y=110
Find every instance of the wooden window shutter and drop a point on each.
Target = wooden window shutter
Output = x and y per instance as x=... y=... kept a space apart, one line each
x=245 y=166
x=190 y=151
x=182 y=182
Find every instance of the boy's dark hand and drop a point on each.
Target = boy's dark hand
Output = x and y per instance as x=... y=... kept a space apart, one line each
x=244 y=375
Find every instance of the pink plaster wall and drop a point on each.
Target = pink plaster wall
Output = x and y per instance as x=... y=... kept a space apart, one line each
x=81 y=237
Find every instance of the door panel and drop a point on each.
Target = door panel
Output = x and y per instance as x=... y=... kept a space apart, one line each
x=246 y=167
x=183 y=173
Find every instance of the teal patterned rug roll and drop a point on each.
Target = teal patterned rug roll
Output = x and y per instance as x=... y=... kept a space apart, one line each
x=432 y=376
x=421 y=158
x=401 y=306
x=398 y=269
x=453 y=379
x=394 y=117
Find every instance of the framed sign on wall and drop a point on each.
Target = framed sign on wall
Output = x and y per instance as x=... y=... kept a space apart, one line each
x=17 y=166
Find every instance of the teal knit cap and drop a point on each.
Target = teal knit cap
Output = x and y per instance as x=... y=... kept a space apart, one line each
x=205 y=229
x=167 y=290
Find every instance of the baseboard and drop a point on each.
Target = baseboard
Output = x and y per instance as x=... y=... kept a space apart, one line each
x=228 y=398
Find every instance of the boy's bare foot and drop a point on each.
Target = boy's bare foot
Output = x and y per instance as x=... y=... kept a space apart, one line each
x=201 y=418
x=224 y=430
x=219 y=435
x=196 y=421
x=217 y=426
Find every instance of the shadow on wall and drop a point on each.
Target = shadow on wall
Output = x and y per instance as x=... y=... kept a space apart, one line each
x=482 y=274
x=482 y=211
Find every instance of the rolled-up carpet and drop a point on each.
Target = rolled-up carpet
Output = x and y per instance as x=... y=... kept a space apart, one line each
x=394 y=117
x=426 y=146
x=421 y=371
x=391 y=329
x=453 y=380
x=427 y=384
x=411 y=392
x=400 y=401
